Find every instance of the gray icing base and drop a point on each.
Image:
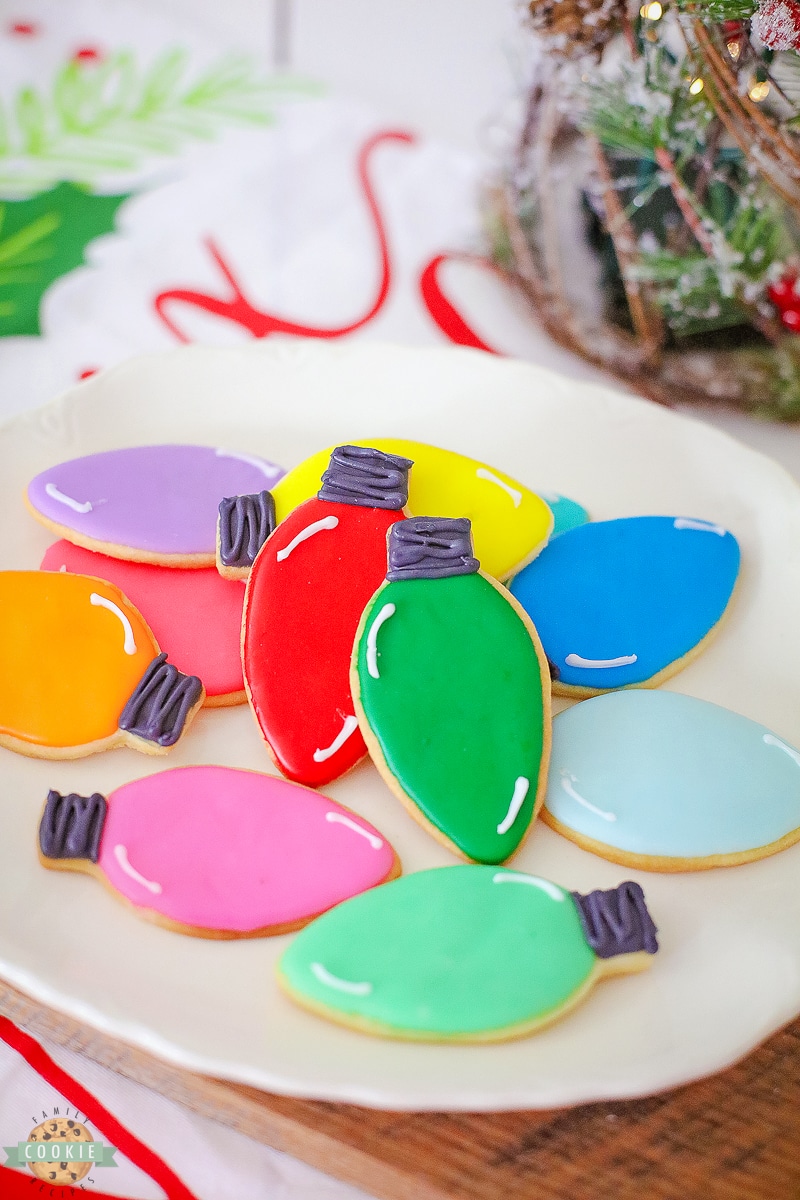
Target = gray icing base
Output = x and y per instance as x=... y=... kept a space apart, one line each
x=366 y=477
x=72 y=825
x=431 y=548
x=245 y=523
x=162 y=701
x=617 y=921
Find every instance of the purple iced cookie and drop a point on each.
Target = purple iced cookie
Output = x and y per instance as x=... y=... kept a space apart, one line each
x=147 y=503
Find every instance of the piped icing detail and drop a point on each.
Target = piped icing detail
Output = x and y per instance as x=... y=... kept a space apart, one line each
x=72 y=825
x=520 y=792
x=447 y=953
x=431 y=548
x=157 y=501
x=304 y=534
x=349 y=726
x=232 y=851
x=618 y=602
x=383 y=616
x=616 y=921
x=245 y=523
x=78 y=506
x=514 y=493
x=158 y=709
x=365 y=476
x=121 y=855
x=129 y=644
x=694 y=781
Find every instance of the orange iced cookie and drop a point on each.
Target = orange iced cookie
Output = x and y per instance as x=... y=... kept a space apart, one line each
x=82 y=672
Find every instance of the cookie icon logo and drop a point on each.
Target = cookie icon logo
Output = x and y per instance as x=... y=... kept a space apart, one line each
x=60 y=1129
x=60 y=1151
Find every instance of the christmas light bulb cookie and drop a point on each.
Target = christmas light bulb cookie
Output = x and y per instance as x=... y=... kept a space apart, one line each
x=665 y=782
x=510 y=523
x=628 y=602
x=146 y=503
x=196 y=613
x=452 y=692
x=82 y=672
x=465 y=954
x=217 y=852
x=305 y=596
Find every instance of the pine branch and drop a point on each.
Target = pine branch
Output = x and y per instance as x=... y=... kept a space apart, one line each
x=114 y=116
x=714 y=12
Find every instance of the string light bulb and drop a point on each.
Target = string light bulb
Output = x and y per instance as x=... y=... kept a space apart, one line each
x=759 y=91
x=696 y=87
x=652 y=11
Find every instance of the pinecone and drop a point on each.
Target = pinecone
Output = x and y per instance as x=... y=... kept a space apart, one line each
x=575 y=27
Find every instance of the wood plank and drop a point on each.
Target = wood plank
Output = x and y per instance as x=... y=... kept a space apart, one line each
x=732 y=1137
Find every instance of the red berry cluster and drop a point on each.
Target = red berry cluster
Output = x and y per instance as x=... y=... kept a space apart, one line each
x=785 y=295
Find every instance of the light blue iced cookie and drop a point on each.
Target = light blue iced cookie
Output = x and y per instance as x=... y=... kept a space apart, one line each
x=666 y=782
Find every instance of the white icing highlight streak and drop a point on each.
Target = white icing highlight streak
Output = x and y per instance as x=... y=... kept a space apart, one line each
x=566 y=784
x=387 y=611
x=374 y=841
x=703 y=526
x=251 y=461
x=77 y=505
x=520 y=792
x=576 y=660
x=129 y=645
x=121 y=855
x=309 y=531
x=517 y=877
x=341 y=985
x=349 y=727
x=516 y=496
x=771 y=740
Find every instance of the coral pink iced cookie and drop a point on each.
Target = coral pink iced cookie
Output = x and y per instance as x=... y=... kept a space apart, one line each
x=197 y=614
x=217 y=852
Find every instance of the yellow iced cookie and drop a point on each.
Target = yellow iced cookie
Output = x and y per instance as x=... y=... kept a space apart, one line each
x=510 y=523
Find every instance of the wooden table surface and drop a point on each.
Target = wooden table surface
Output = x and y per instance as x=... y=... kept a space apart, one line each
x=735 y=1136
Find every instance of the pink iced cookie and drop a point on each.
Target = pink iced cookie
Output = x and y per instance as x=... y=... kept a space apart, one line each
x=197 y=614
x=217 y=852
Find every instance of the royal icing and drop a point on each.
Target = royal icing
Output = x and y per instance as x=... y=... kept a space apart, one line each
x=218 y=849
x=449 y=953
x=617 y=602
x=510 y=523
x=305 y=596
x=63 y=656
x=195 y=613
x=657 y=774
x=567 y=514
x=148 y=502
x=448 y=680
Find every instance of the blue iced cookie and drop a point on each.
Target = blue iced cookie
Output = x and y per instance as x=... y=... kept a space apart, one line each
x=666 y=782
x=626 y=602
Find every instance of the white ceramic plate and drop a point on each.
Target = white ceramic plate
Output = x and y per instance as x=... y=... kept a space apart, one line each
x=728 y=972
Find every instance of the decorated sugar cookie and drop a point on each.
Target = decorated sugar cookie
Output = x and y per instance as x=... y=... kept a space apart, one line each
x=510 y=523
x=196 y=614
x=452 y=692
x=666 y=782
x=82 y=672
x=146 y=503
x=218 y=852
x=567 y=514
x=305 y=596
x=469 y=953
x=628 y=602
x=243 y=525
